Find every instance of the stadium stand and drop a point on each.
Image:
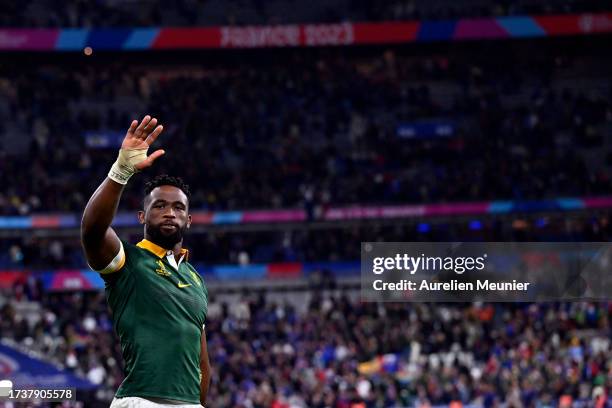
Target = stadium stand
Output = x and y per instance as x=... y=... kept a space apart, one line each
x=266 y=353
x=312 y=128
x=334 y=242
x=112 y=13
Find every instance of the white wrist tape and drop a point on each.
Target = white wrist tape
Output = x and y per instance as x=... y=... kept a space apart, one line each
x=123 y=168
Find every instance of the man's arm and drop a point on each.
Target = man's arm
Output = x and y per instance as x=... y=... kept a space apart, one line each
x=204 y=369
x=100 y=242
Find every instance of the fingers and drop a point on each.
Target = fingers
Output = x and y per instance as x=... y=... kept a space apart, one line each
x=147 y=125
x=133 y=126
x=153 y=135
x=149 y=160
x=150 y=126
x=139 y=132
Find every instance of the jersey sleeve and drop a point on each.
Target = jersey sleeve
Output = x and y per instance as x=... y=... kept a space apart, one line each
x=111 y=273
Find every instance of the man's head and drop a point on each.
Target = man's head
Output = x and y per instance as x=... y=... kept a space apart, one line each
x=165 y=213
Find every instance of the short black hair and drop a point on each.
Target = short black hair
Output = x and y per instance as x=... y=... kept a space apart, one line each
x=166 y=180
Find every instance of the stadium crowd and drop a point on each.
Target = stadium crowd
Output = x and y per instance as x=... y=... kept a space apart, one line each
x=341 y=353
x=314 y=127
x=334 y=243
x=113 y=13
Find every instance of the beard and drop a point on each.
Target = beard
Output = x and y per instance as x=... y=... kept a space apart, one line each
x=163 y=238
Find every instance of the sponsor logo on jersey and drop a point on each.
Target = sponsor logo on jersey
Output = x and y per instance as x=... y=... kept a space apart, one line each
x=161 y=270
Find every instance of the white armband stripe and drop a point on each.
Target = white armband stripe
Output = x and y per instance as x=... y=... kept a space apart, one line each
x=116 y=264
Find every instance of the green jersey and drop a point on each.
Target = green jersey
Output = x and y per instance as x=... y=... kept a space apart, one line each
x=159 y=309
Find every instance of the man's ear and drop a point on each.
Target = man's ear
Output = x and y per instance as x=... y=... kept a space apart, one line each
x=141 y=217
x=188 y=221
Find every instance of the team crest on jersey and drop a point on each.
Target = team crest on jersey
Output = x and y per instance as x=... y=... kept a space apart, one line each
x=161 y=270
x=196 y=278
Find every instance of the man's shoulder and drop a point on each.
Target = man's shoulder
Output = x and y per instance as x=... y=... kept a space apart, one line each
x=134 y=249
x=195 y=272
x=135 y=256
x=134 y=259
x=127 y=243
x=192 y=267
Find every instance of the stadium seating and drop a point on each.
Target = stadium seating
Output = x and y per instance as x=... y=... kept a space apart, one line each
x=310 y=127
x=109 y=13
x=338 y=352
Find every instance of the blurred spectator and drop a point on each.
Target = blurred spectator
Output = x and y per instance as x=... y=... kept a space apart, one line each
x=311 y=128
x=265 y=353
x=111 y=13
x=335 y=243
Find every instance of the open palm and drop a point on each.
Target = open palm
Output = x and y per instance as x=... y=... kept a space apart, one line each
x=141 y=136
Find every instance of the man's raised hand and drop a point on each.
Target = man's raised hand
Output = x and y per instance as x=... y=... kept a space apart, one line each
x=133 y=153
x=141 y=136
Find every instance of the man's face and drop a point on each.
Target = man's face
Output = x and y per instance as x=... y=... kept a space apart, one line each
x=165 y=216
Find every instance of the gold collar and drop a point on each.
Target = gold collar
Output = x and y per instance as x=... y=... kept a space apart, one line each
x=157 y=250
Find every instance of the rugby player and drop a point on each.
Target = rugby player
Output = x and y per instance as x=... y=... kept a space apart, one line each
x=157 y=299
